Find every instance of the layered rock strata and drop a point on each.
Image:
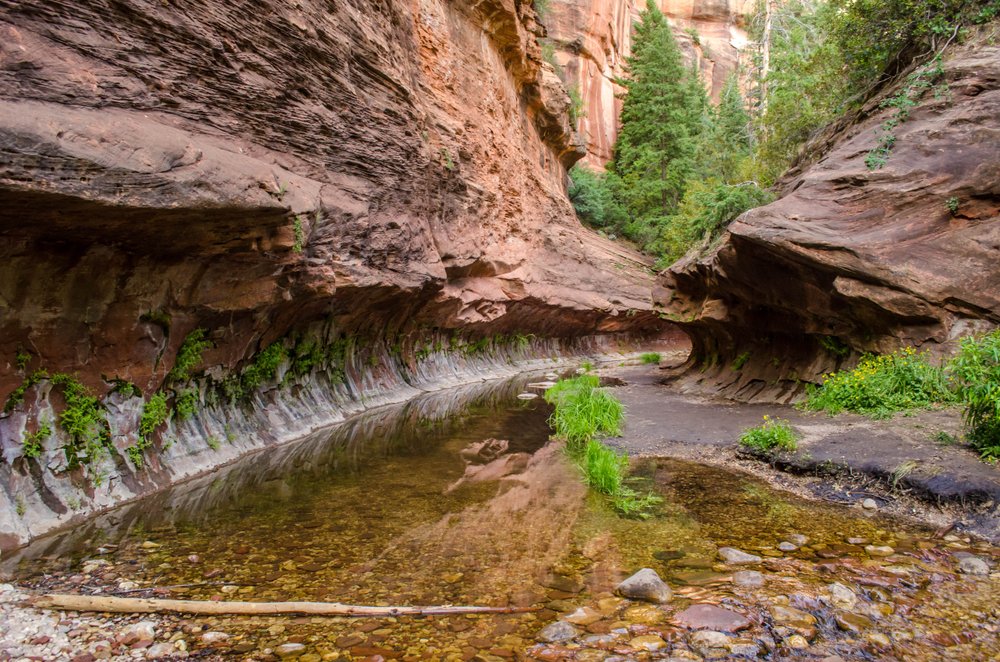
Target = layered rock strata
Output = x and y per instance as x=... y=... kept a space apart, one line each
x=855 y=260
x=385 y=176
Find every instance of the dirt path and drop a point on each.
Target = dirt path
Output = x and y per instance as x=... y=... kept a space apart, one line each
x=900 y=463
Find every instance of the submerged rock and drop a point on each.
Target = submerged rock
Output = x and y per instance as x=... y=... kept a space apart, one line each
x=842 y=597
x=710 y=644
x=556 y=632
x=748 y=578
x=583 y=616
x=647 y=642
x=736 y=557
x=973 y=565
x=879 y=550
x=645 y=585
x=710 y=617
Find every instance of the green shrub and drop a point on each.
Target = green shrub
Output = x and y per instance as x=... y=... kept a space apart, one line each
x=84 y=420
x=772 y=433
x=189 y=356
x=186 y=404
x=976 y=373
x=154 y=414
x=740 y=361
x=650 y=358
x=33 y=442
x=882 y=385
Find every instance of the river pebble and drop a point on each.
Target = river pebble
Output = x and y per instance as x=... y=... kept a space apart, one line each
x=645 y=585
x=973 y=565
x=748 y=579
x=736 y=556
x=556 y=632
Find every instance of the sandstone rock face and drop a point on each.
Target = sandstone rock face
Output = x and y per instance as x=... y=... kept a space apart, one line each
x=851 y=260
x=382 y=171
x=593 y=37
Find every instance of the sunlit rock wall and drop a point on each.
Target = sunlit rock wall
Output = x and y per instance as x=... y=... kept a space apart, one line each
x=593 y=37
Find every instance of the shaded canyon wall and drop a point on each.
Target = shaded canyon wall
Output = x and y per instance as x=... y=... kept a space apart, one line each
x=374 y=189
x=852 y=260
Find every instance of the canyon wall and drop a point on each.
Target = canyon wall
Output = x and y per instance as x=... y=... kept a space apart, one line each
x=852 y=259
x=315 y=192
x=592 y=38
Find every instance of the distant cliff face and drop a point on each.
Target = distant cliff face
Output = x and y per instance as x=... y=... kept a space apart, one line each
x=593 y=37
x=369 y=173
x=852 y=260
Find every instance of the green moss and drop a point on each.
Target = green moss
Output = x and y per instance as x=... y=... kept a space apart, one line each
x=124 y=387
x=134 y=454
x=213 y=443
x=84 y=420
x=154 y=414
x=740 y=361
x=160 y=318
x=300 y=235
x=33 y=442
x=186 y=404
x=17 y=395
x=189 y=356
x=21 y=359
x=650 y=358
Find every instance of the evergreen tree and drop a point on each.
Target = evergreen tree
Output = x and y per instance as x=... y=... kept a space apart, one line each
x=727 y=143
x=661 y=118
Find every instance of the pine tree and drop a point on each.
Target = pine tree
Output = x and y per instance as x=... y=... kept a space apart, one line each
x=661 y=118
x=728 y=141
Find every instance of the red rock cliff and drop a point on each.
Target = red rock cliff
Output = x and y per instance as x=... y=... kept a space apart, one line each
x=852 y=260
x=592 y=38
x=250 y=166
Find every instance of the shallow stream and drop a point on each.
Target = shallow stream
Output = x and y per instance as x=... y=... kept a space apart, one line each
x=460 y=498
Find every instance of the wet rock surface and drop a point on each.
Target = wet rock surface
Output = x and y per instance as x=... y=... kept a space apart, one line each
x=296 y=539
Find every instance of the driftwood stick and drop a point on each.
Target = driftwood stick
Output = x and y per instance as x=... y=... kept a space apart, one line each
x=152 y=605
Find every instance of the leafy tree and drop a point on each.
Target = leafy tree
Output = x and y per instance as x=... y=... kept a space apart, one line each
x=661 y=118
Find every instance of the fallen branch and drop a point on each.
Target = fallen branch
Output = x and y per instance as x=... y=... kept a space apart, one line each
x=152 y=605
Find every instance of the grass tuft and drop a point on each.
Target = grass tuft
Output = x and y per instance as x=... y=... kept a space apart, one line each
x=772 y=433
x=650 y=358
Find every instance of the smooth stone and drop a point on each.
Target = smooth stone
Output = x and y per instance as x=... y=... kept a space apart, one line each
x=527 y=396
x=853 y=622
x=787 y=547
x=645 y=585
x=584 y=616
x=143 y=630
x=556 y=632
x=869 y=504
x=797 y=539
x=879 y=550
x=878 y=639
x=161 y=651
x=792 y=617
x=796 y=642
x=564 y=584
x=647 y=642
x=735 y=556
x=710 y=617
x=745 y=648
x=973 y=565
x=682 y=655
x=707 y=642
x=842 y=597
x=748 y=578
x=859 y=541
x=213 y=637
x=290 y=649
x=644 y=614
x=668 y=555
